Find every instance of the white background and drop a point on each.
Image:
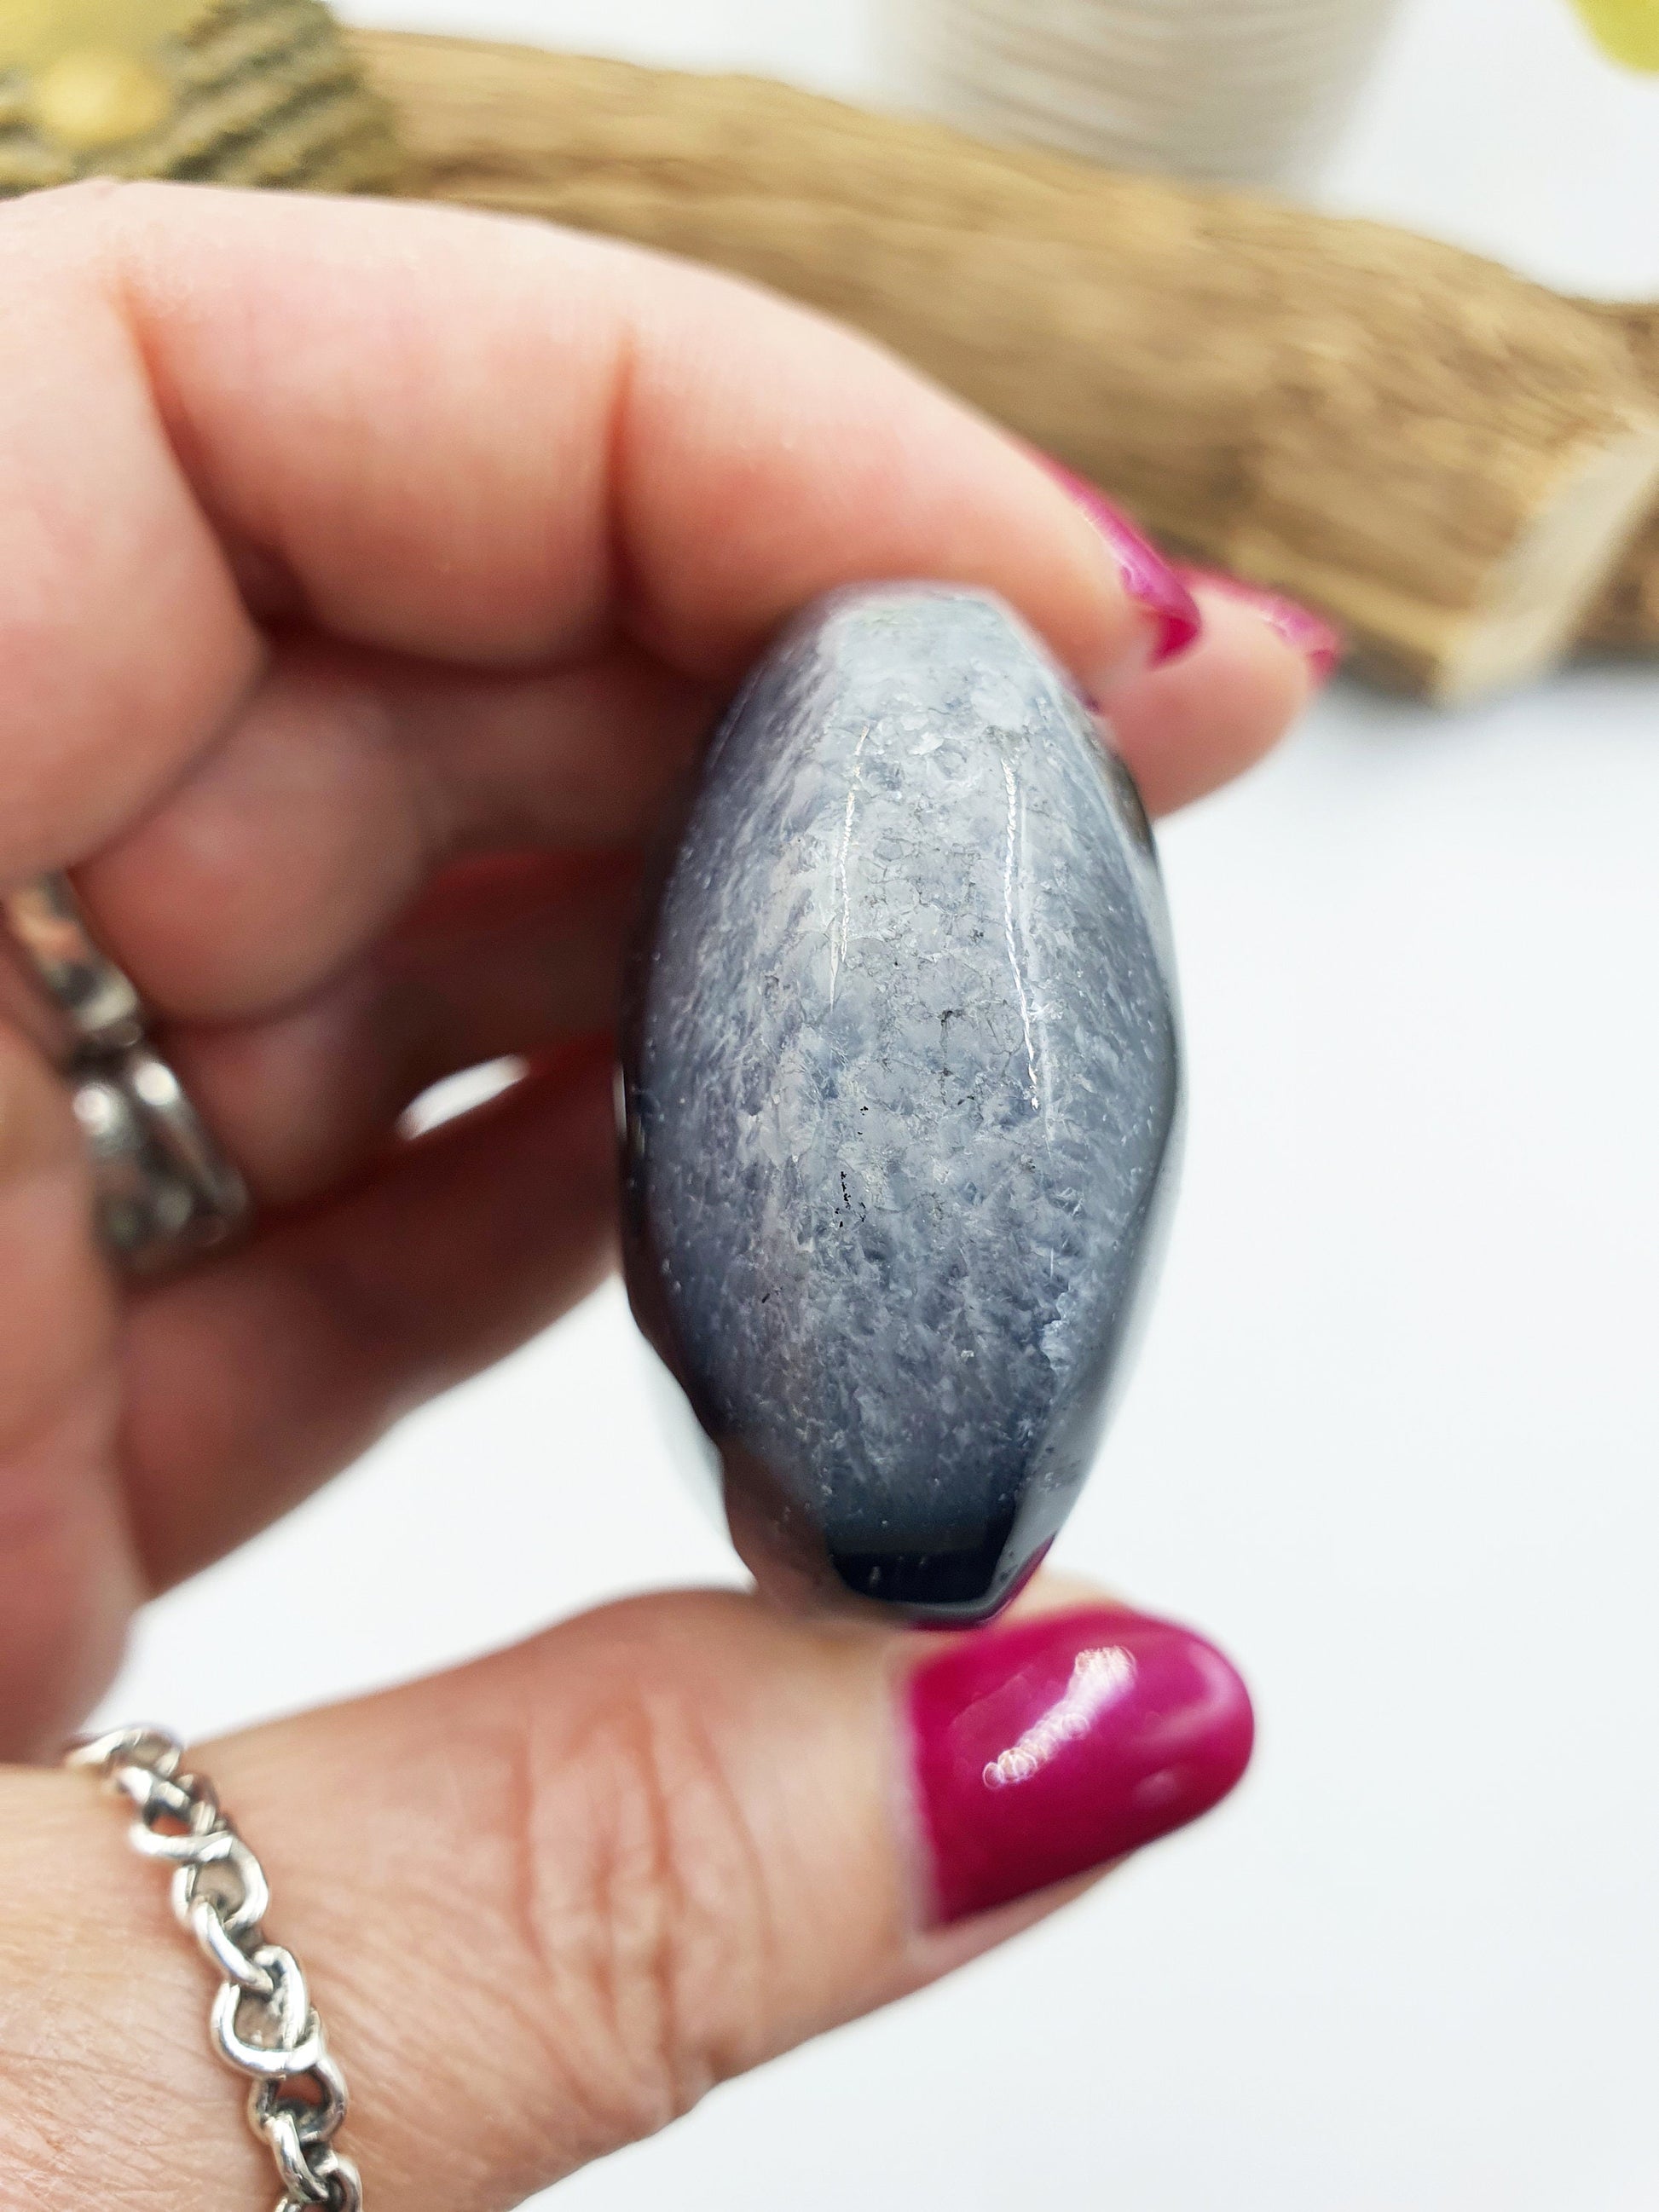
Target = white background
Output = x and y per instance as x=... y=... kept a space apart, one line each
x=1394 y=1438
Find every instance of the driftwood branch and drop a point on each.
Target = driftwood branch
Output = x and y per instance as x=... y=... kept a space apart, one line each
x=1626 y=616
x=1450 y=460
x=1457 y=464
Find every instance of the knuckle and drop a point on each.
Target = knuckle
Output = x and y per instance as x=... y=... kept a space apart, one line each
x=643 y=1901
x=73 y=216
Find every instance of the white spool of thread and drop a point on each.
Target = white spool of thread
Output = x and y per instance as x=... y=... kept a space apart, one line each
x=1251 y=91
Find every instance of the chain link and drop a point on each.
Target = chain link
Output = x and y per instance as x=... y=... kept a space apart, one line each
x=263 y=2023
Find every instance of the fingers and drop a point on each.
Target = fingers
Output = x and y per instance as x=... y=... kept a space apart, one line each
x=501 y=960
x=124 y=643
x=250 y=1382
x=309 y=1030
x=231 y=1393
x=349 y=780
x=585 y=443
x=586 y=436
x=608 y=474
x=67 y=1578
x=351 y=776
x=510 y=955
x=546 y=1902
x=307 y=830
x=1194 y=724
x=598 y=477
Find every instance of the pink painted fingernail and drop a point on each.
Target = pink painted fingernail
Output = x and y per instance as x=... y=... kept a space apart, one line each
x=1150 y=580
x=1044 y=1749
x=1321 y=644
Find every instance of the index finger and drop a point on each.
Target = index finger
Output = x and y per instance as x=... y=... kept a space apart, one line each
x=468 y=438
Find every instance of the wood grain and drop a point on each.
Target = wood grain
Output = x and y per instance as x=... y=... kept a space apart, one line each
x=1456 y=464
x=1449 y=460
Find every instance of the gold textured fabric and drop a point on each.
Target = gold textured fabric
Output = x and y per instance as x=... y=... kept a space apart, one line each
x=242 y=92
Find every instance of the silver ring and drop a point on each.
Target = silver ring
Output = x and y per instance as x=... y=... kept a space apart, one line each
x=165 y=1193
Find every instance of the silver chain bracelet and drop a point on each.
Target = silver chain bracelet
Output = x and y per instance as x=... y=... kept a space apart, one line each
x=263 y=2023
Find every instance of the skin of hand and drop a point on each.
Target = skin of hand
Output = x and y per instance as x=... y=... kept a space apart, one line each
x=369 y=576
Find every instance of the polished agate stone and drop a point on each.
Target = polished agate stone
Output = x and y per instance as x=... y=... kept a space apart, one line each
x=902 y=1082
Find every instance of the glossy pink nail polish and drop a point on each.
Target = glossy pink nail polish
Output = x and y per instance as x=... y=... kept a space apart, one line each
x=1321 y=644
x=1043 y=1749
x=1150 y=580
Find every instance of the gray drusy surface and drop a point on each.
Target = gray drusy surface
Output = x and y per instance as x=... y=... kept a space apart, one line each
x=902 y=1084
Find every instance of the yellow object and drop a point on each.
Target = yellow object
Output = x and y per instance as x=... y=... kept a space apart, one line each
x=97 y=96
x=34 y=35
x=1628 y=29
x=234 y=92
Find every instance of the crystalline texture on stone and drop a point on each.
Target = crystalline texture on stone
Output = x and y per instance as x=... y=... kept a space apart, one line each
x=902 y=1088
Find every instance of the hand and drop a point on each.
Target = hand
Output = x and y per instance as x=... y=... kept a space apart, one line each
x=367 y=575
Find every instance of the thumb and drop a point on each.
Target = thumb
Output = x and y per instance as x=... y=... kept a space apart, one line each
x=546 y=1901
